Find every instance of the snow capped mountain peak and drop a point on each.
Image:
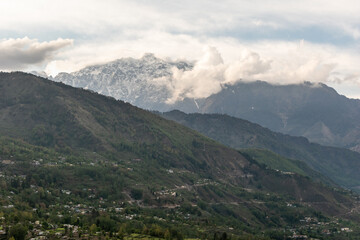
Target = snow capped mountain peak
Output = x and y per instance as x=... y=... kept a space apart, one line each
x=150 y=57
x=127 y=79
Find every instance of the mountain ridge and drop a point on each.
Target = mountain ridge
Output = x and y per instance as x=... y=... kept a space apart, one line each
x=317 y=113
x=314 y=111
x=130 y=80
x=54 y=136
x=239 y=133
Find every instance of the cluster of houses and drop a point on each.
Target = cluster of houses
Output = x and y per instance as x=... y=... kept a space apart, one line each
x=327 y=228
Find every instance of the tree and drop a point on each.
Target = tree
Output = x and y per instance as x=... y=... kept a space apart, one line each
x=167 y=234
x=136 y=194
x=18 y=232
x=93 y=229
x=223 y=236
x=122 y=231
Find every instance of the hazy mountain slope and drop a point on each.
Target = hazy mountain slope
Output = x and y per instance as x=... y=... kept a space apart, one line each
x=239 y=133
x=318 y=113
x=122 y=153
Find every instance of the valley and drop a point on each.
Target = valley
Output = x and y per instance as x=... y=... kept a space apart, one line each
x=77 y=164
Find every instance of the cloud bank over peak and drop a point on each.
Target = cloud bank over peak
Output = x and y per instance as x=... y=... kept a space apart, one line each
x=210 y=72
x=24 y=52
x=107 y=30
x=204 y=79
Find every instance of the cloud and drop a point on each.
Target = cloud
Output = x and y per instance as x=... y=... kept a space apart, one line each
x=269 y=30
x=210 y=72
x=277 y=62
x=163 y=45
x=20 y=53
x=249 y=67
x=205 y=78
x=197 y=18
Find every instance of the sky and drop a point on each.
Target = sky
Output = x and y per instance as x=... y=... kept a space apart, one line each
x=278 y=41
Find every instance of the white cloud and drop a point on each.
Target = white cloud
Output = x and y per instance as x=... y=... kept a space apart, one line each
x=163 y=44
x=111 y=17
x=210 y=73
x=296 y=64
x=249 y=67
x=110 y=29
x=352 y=31
x=278 y=62
x=20 y=53
x=204 y=79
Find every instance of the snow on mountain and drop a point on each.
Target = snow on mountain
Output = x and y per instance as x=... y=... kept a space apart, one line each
x=128 y=79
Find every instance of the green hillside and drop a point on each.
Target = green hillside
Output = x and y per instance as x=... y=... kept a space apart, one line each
x=240 y=134
x=73 y=160
x=278 y=162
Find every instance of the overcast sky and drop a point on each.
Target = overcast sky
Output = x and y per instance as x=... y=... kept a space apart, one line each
x=281 y=41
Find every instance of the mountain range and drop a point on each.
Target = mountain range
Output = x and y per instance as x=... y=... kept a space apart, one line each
x=314 y=111
x=242 y=134
x=65 y=148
